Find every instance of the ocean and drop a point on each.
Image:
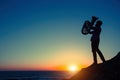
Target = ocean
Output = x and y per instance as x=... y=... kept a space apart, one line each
x=34 y=75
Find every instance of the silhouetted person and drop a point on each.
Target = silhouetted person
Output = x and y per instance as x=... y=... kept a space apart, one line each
x=95 y=39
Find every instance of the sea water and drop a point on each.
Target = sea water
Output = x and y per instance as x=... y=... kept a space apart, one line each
x=34 y=75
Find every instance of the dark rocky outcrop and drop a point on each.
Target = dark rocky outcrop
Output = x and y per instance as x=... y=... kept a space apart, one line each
x=110 y=70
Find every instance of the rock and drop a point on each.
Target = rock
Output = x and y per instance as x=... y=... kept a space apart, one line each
x=110 y=70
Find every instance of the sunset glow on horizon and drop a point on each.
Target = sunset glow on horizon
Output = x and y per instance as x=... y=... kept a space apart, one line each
x=73 y=68
x=46 y=34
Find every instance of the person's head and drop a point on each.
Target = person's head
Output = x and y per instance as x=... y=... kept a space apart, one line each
x=98 y=23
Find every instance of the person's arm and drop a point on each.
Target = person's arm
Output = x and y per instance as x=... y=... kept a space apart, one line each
x=93 y=29
x=91 y=32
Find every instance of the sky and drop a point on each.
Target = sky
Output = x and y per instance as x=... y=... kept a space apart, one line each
x=46 y=34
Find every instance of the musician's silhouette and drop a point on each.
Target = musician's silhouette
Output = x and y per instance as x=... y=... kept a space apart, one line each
x=95 y=39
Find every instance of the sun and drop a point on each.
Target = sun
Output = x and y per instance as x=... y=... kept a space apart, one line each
x=73 y=68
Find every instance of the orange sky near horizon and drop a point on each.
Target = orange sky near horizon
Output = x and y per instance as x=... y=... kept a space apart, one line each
x=41 y=68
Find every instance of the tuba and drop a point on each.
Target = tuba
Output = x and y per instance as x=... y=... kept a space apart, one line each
x=87 y=25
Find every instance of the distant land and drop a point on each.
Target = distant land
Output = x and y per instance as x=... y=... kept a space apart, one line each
x=110 y=70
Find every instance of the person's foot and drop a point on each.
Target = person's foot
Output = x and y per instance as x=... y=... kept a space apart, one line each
x=104 y=61
x=93 y=64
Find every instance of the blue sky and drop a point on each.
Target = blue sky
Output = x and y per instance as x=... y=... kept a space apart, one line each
x=44 y=32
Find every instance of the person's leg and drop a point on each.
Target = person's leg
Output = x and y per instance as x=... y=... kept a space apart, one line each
x=93 y=46
x=101 y=55
x=99 y=52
